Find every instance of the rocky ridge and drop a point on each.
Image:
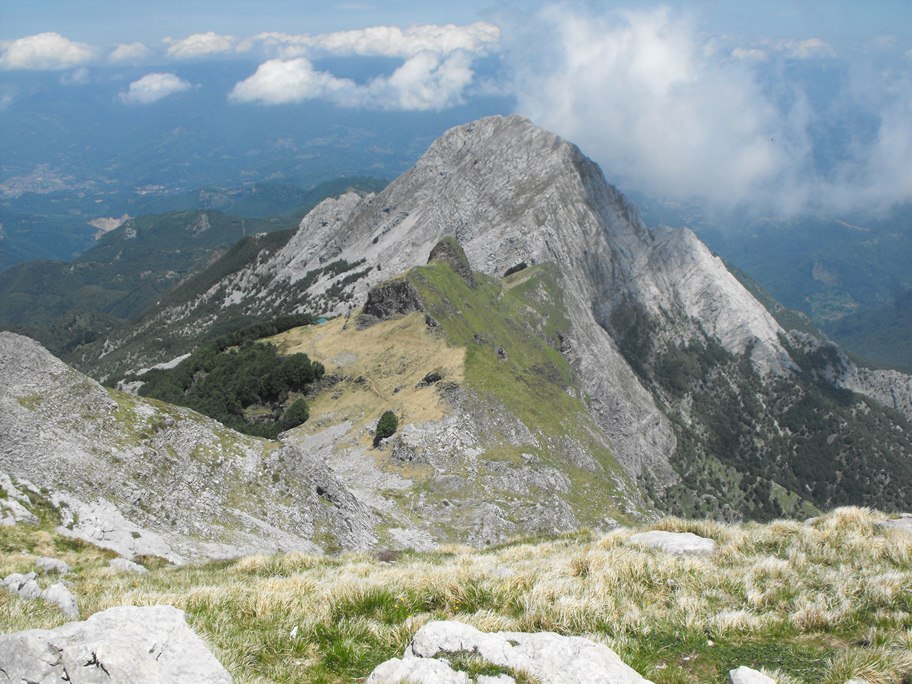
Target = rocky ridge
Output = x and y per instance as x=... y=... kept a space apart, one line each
x=508 y=192
x=144 y=477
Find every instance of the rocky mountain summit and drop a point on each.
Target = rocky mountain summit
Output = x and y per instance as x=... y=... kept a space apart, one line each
x=690 y=380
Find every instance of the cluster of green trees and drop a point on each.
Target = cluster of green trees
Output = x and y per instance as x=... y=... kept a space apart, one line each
x=244 y=384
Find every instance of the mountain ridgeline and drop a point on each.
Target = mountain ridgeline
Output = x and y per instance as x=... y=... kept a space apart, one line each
x=552 y=362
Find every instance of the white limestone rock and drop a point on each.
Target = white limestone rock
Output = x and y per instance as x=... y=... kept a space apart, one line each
x=13 y=506
x=903 y=522
x=745 y=675
x=124 y=565
x=417 y=671
x=27 y=588
x=675 y=543
x=49 y=565
x=24 y=586
x=552 y=658
x=63 y=597
x=126 y=644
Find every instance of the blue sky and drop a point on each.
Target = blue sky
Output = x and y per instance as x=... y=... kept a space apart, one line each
x=789 y=105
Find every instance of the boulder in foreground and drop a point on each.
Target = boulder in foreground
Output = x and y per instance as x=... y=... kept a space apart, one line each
x=124 y=644
x=551 y=658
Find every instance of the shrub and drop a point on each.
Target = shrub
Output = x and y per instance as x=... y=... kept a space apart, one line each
x=294 y=415
x=386 y=426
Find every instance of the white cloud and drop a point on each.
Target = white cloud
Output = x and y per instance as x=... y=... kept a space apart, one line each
x=668 y=111
x=749 y=54
x=129 y=52
x=44 y=51
x=153 y=87
x=381 y=41
x=636 y=92
x=425 y=81
x=199 y=45
x=283 y=82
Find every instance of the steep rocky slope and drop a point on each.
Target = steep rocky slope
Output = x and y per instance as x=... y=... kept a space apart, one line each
x=688 y=377
x=143 y=477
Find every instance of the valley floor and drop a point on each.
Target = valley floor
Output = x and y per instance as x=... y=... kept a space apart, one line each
x=820 y=601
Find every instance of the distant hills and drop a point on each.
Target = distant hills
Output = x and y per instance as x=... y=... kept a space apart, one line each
x=67 y=304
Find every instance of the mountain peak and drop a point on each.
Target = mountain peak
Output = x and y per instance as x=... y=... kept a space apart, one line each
x=653 y=317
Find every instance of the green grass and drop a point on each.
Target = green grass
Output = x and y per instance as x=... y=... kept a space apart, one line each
x=817 y=602
x=511 y=329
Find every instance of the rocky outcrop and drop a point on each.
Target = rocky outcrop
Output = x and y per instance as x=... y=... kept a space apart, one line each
x=449 y=252
x=675 y=543
x=127 y=644
x=13 y=506
x=888 y=387
x=388 y=300
x=550 y=658
x=145 y=478
x=27 y=587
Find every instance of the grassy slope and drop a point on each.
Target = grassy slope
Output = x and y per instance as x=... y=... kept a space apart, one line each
x=819 y=602
x=523 y=316
x=381 y=366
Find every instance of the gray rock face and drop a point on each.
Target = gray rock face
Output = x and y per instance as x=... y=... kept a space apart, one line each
x=127 y=644
x=552 y=658
x=675 y=543
x=21 y=585
x=390 y=299
x=449 y=252
x=138 y=477
x=745 y=675
x=13 y=507
x=63 y=597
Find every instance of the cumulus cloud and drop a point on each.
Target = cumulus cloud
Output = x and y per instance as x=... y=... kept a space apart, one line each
x=636 y=91
x=199 y=45
x=44 y=51
x=285 y=81
x=425 y=81
x=666 y=111
x=153 y=87
x=381 y=41
x=129 y=52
